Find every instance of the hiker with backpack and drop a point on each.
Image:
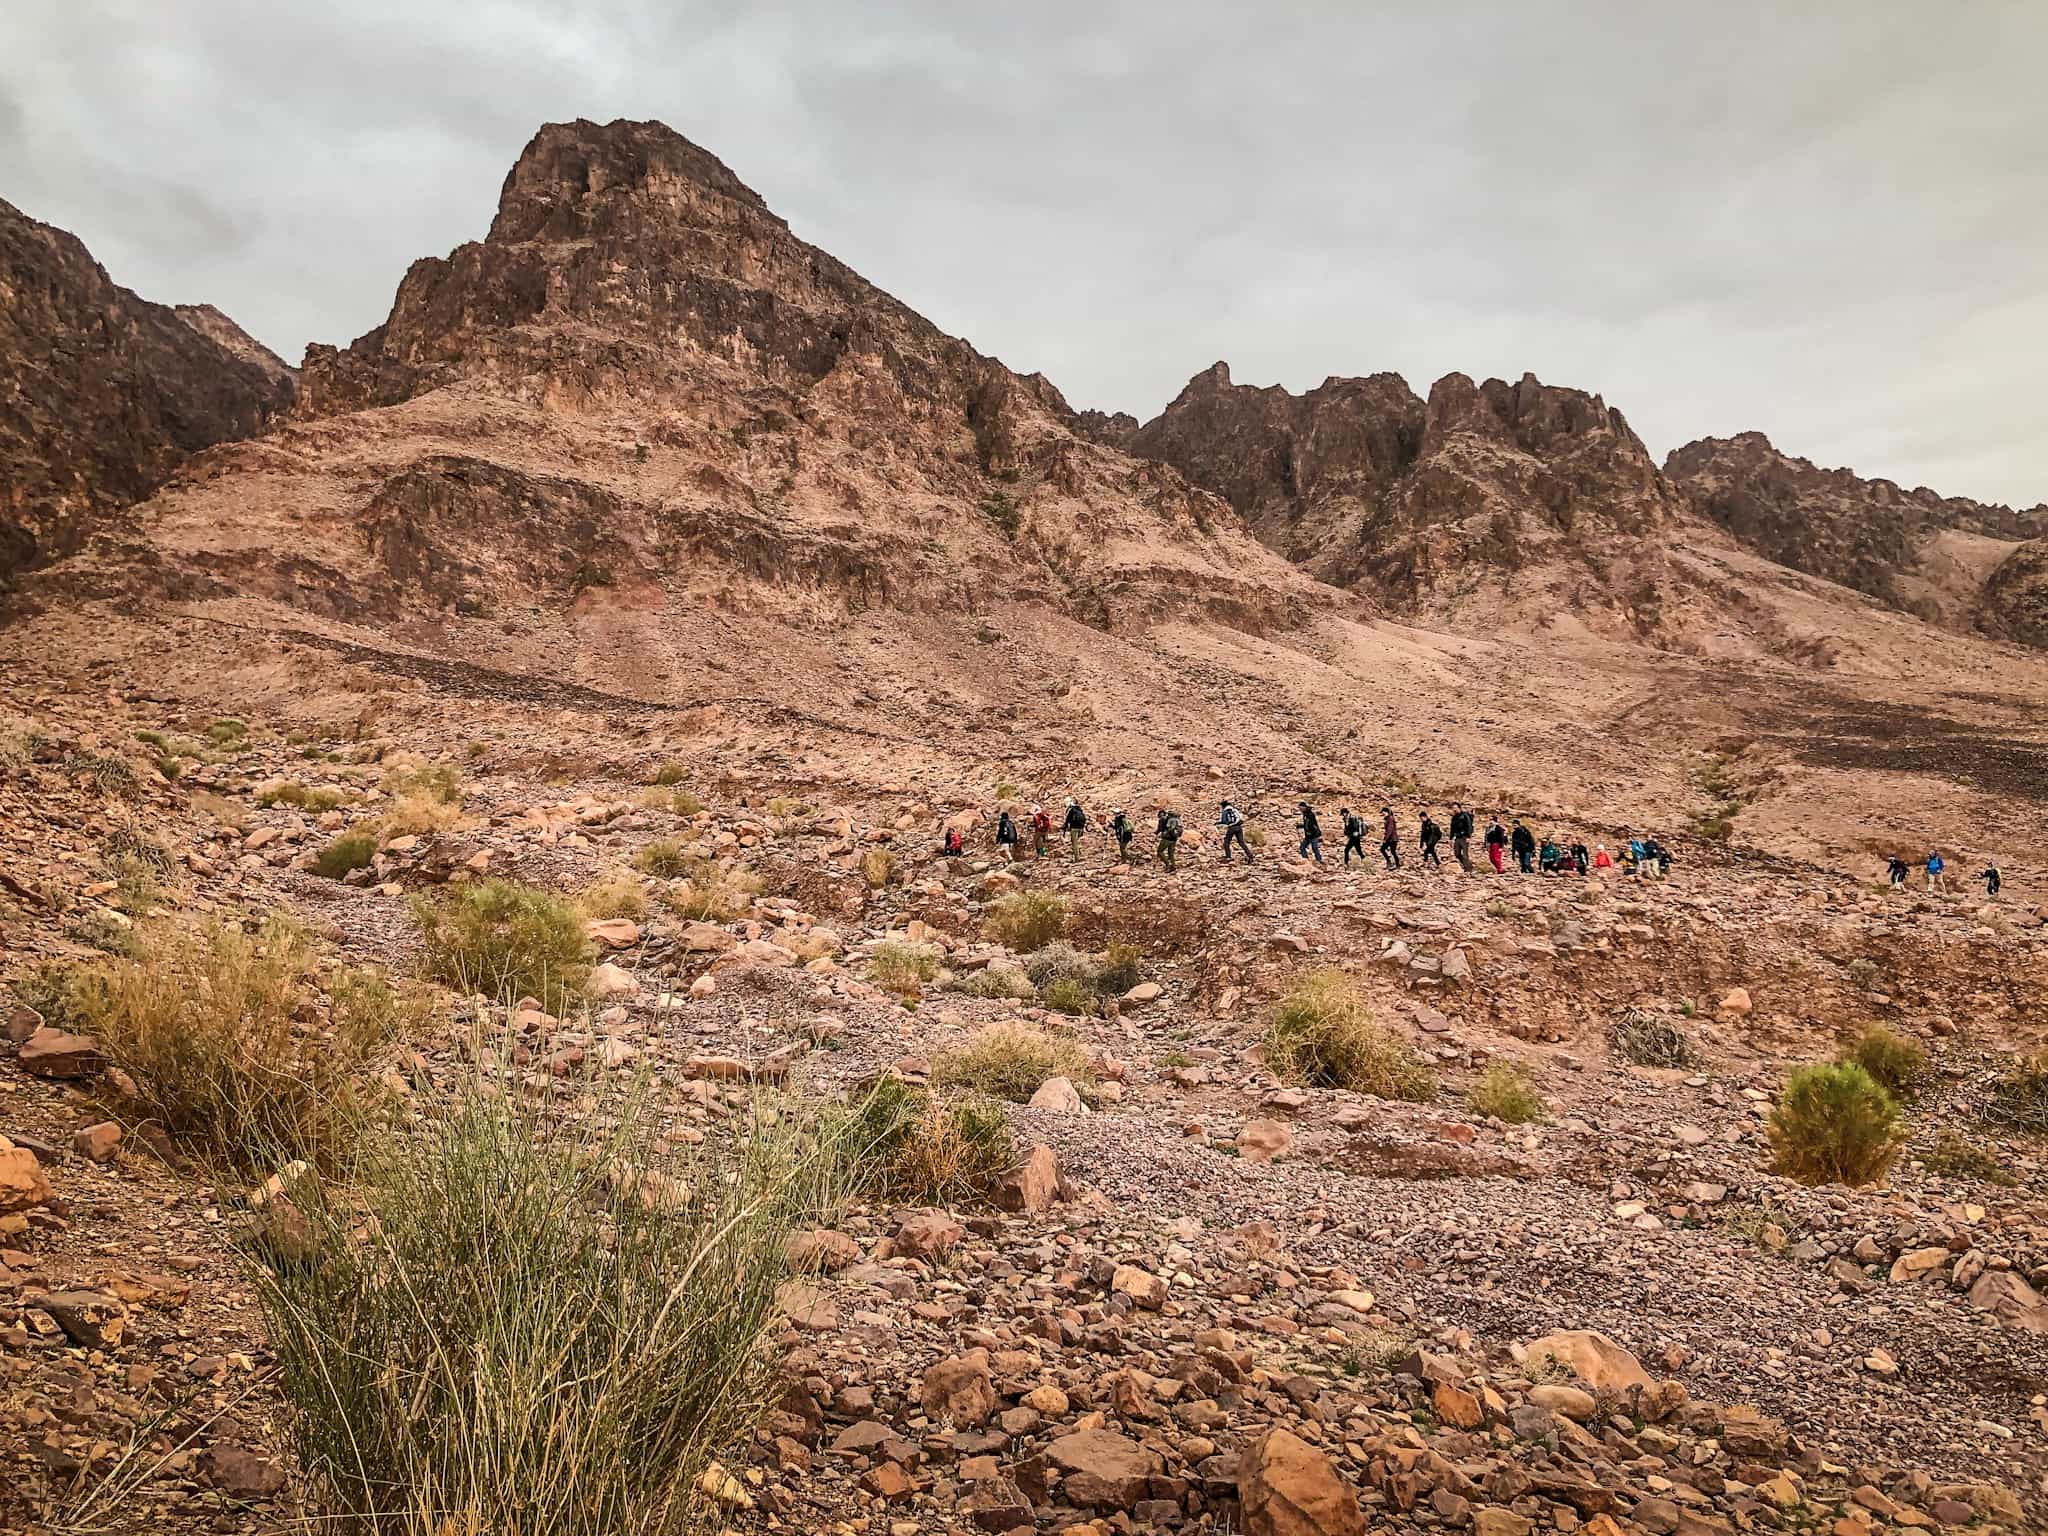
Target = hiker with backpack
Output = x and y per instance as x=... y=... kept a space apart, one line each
x=1006 y=835
x=1231 y=820
x=1937 y=867
x=953 y=846
x=1496 y=846
x=1896 y=871
x=1075 y=824
x=1523 y=841
x=1354 y=836
x=1169 y=837
x=1461 y=838
x=1041 y=829
x=1120 y=824
x=1656 y=859
x=1432 y=834
x=1311 y=833
x=1390 y=838
x=1582 y=860
x=1994 y=882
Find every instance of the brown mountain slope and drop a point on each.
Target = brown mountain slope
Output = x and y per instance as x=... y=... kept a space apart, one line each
x=102 y=393
x=1933 y=556
x=641 y=380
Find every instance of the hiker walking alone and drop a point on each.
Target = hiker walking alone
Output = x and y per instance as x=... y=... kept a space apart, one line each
x=1936 y=872
x=1354 y=836
x=1231 y=820
x=1461 y=837
x=1120 y=824
x=1169 y=837
x=1994 y=882
x=1390 y=838
x=1432 y=834
x=1075 y=824
x=1896 y=870
x=1311 y=833
x=1041 y=829
x=1497 y=846
x=1006 y=835
x=1523 y=841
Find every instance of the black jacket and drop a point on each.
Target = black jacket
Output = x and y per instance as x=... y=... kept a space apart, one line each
x=1006 y=829
x=1461 y=824
x=1524 y=840
x=1310 y=827
x=1432 y=834
x=1076 y=819
x=1495 y=836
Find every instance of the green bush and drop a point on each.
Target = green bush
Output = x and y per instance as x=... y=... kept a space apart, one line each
x=539 y=1323
x=670 y=774
x=1060 y=962
x=1506 y=1092
x=301 y=797
x=1956 y=1155
x=664 y=858
x=903 y=968
x=505 y=940
x=1070 y=996
x=998 y=979
x=440 y=782
x=916 y=1146
x=347 y=853
x=1895 y=1063
x=1834 y=1125
x=1026 y=920
x=1013 y=1061
x=1322 y=1034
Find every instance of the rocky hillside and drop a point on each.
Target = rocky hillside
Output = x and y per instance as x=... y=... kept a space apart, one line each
x=104 y=394
x=1941 y=558
x=640 y=383
x=1491 y=485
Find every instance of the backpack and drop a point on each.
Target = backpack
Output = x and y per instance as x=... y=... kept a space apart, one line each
x=1173 y=826
x=1353 y=827
x=1232 y=816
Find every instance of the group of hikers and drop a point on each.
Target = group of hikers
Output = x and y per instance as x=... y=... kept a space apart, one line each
x=1549 y=855
x=1937 y=874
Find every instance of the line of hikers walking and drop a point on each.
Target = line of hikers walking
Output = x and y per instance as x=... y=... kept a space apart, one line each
x=1937 y=874
x=1547 y=855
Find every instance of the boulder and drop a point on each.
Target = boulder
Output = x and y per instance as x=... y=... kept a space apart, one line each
x=242 y=1474
x=1736 y=1001
x=1592 y=1358
x=928 y=1235
x=1141 y=1285
x=2007 y=1296
x=609 y=980
x=1102 y=1469
x=959 y=1390
x=90 y=1319
x=1033 y=1185
x=1060 y=1096
x=22 y=1184
x=820 y=1251
x=1262 y=1141
x=96 y=1143
x=1289 y=1488
x=55 y=1053
x=614 y=932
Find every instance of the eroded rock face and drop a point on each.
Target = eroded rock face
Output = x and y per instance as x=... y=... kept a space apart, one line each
x=1932 y=556
x=104 y=394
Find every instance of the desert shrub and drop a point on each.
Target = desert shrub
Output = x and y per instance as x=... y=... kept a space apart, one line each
x=418 y=815
x=1000 y=979
x=1650 y=1040
x=221 y=809
x=347 y=853
x=1255 y=837
x=1000 y=508
x=440 y=782
x=505 y=940
x=1070 y=996
x=1026 y=920
x=228 y=733
x=107 y=772
x=1060 y=962
x=1322 y=1034
x=1957 y=1156
x=1862 y=973
x=544 y=1324
x=679 y=802
x=1013 y=1061
x=665 y=858
x=903 y=968
x=713 y=894
x=670 y=774
x=785 y=805
x=207 y=1022
x=1120 y=970
x=878 y=868
x=106 y=931
x=2019 y=1096
x=302 y=797
x=617 y=895
x=917 y=1146
x=1895 y=1063
x=67 y=996
x=1834 y=1125
x=1506 y=1091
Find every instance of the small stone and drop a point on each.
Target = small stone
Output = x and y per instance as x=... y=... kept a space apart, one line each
x=1059 y=1096
x=1263 y=1141
x=96 y=1143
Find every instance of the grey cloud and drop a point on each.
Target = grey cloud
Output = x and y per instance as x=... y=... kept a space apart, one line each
x=1822 y=221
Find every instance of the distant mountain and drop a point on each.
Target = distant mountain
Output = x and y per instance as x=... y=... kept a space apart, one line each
x=104 y=394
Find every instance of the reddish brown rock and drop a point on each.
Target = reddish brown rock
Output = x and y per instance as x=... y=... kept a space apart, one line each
x=55 y=1053
x=1289 y=1488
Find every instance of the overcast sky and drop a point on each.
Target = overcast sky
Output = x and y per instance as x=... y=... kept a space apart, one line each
x=1825 y=220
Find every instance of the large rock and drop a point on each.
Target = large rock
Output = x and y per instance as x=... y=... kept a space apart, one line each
x=55 y=1053
x=1103 y=1470
x=928 y=1235
x=23 y=1186
x=1289 y=1488
x=1034 y=1184
x=959 y=1390
x=1262 y=1141
x=2008 y=1297
x=1592 y=1358
x=1060 y=1096
x=91 y=1319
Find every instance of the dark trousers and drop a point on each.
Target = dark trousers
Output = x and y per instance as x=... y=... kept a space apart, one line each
x=1429 y=856
x=1236 y=835
x=1391 y=852
x=1462 y=847
x=1354 y=844
x=1526 y=860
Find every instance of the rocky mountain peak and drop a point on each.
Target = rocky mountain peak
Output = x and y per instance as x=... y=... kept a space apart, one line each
x=575 y=180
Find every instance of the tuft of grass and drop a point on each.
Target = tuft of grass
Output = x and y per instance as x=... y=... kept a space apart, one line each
x=1834 y=1124
x=417 y=815
x=228 y=733
x=616 y=895
x=1070 y=996
x=1322 y=1033
x=440 y=782
x=679 y=802
x=1507 y=1092
x=1120 y=970
x=903 y=968
x=2019 y=1096
x=221 y=809
x=346 y=854
x=670 y=774
x=1957 y=1156
x=65 y=995
x=712 y=893
x=1026 y=920
x=302 y=797
x=526 y=1322
x=878 y=868
x=1649 y=1040
x=1060 y=962
x=1895 y=1063
x=1001 y=979
x=505 y=940
x=108 y=772
x=208 y=1022
x=664 y=858
x=911 y=1145
x=1013 y=1061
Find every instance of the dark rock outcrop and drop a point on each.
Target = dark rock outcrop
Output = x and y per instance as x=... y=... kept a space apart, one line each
x=104 y=394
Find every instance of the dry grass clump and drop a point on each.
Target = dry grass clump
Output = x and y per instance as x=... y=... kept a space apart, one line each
x=505 y=940
x=407 y=776
x=1001 y=979
x=1507 y=1092
x=417 y=815
x=1026 y=920
x=921 y=1147
x=1322 y=1034
x=711 y=893
x=616 y=895
x=1650 y=1040
x=878 y=868
x=670 y=774
x=301 y=796
x=346 y=854
x=1122 y=968
x=1956 y=1156
x=1068 y=995
x=544 y=1324
x=1013 y=1061
x=1060 y=962
x=903 y=968
x=221 y=809
x=208 y=1024
x=665 y=858
x=2019 y=1097
x=1897 y=1065
x=1834 y=1124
